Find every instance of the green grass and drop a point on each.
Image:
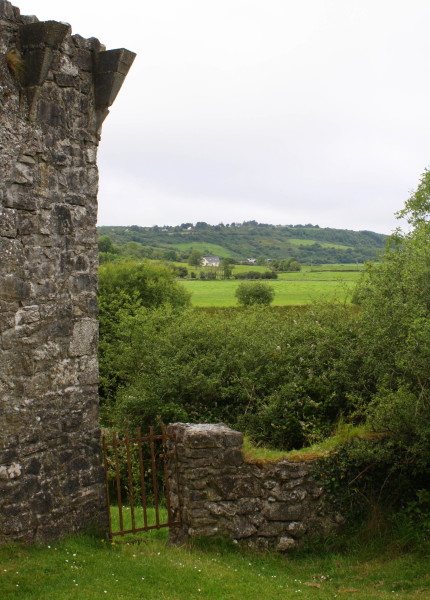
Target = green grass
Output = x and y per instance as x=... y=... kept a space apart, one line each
x=90 y=568
x=292 y=291
x=161 y=533
x=343 y=433
x=325 y=282
x=336 y=276
x=207 y=249
x=247 y=268
x=304 y=242
x=334 y=267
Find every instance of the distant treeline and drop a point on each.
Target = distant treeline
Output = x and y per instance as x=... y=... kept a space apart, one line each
x=241 y=241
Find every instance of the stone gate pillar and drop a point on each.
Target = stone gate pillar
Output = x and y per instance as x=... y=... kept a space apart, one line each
x=55 y=92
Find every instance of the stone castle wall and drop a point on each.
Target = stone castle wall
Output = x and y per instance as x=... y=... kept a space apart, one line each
x=55 y=90
x=267 y=505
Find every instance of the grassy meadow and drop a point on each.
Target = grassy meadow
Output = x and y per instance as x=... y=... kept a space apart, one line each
x=92 y=568
x=297 y=288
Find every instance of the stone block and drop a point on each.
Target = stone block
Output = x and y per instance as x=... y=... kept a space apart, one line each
x=221 y=509
x=294 y=496
x=14 y=287
x=232 y=486
x=280 y=511
x=242 y=527
x=247 y=506
x=84 y=338
x=272 y=529
x=296 y=529
x=286 y=544
x=232 y=457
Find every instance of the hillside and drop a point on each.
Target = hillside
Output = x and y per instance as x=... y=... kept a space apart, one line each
x=305 y=243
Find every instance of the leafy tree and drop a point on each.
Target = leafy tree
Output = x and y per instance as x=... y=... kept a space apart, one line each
x=133 y=250
x=225 y=265
x=151 y=284
x=105 y=244
x=170 y=255
x=394 y=297
x=123 y=289
x=251 y=293
x=417 y=207
x=289 y=265
x=195 y=258
x=180 y=271
x=394 y=342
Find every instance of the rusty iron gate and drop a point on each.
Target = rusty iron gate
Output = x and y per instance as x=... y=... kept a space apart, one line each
x=132 y=472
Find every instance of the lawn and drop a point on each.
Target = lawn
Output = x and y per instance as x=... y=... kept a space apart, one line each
x=92 y=568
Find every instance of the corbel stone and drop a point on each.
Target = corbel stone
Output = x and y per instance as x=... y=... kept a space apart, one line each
x=110 y=70
x=39 y=43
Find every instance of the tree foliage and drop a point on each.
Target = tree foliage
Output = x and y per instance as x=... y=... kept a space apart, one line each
x=254 y=293
x=124 y=288
x=195 y=258
x=282 y=377
x=303 y=243
x=394 y=298
x=150 y=283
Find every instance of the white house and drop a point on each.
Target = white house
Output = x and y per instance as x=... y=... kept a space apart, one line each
x=210 y=261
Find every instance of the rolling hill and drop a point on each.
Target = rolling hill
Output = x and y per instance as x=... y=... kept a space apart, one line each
x=305 y=243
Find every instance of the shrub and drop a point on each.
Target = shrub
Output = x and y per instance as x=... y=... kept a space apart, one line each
x=284 y=378
x=255 y=275
x=250 y=294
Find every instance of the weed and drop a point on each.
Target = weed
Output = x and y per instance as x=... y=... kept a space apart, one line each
x=16 y=64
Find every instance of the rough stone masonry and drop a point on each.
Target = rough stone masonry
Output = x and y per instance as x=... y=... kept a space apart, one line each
x=55 y=92
x=266 y=505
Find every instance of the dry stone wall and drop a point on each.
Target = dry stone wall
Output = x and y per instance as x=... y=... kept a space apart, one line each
x=55 y=92
x=267 y=505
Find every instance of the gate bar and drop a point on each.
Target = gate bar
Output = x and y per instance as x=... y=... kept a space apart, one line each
x=118 y=485
x=154 y=478
x=142 y=478
x=130 y=481
x=107 y=486
x=166 y=474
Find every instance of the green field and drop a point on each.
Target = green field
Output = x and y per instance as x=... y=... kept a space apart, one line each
x=304 y=242
x=325 y=282
x=323 y=276
x=291 y=291
x=334 y=267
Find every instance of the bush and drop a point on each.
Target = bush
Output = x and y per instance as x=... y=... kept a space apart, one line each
x=250 y=294
x=284 y=378
x=255 y=275
x=152 y=284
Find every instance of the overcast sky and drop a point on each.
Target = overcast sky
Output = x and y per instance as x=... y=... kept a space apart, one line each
x=282 y=111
